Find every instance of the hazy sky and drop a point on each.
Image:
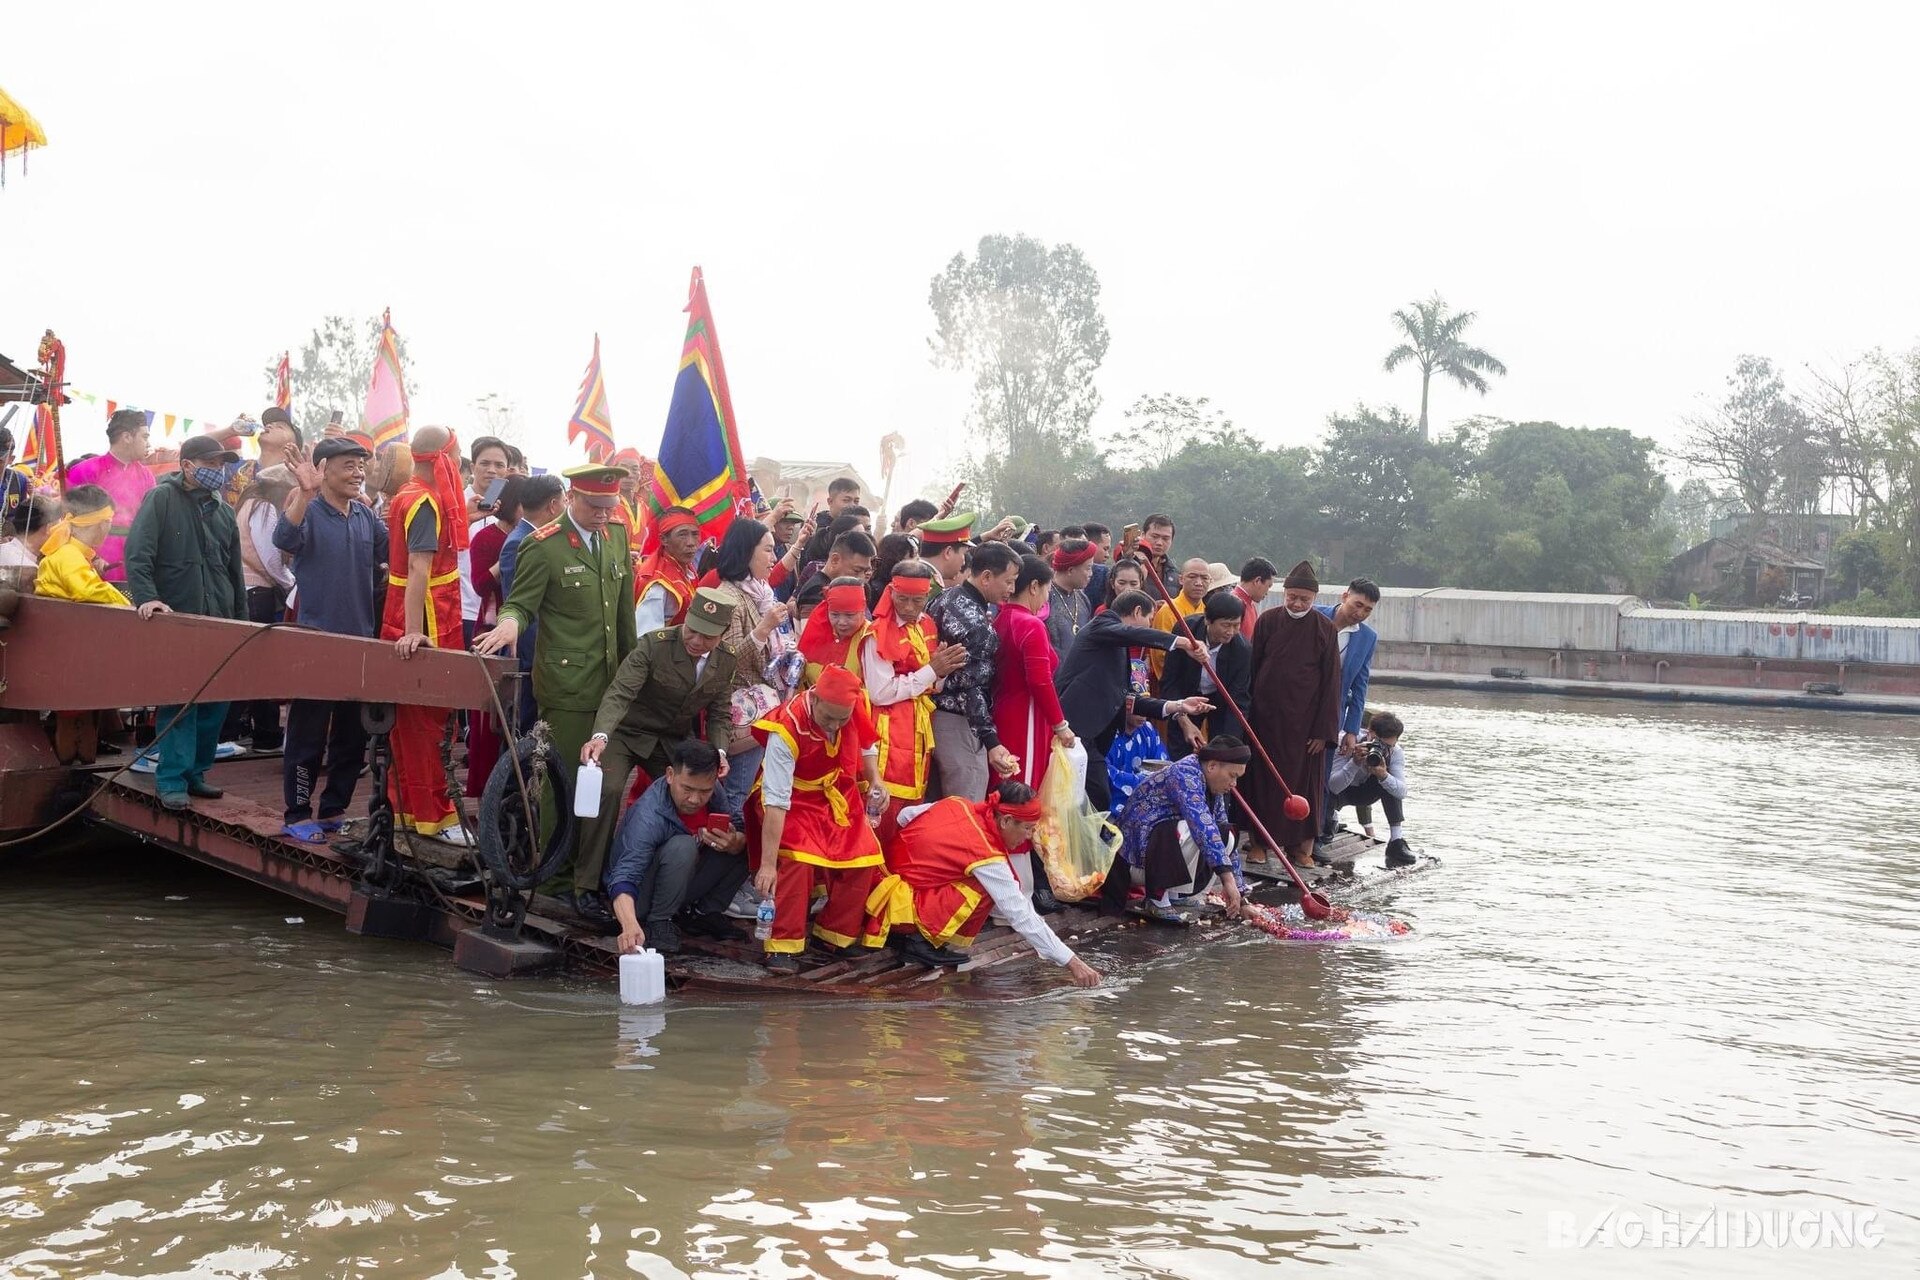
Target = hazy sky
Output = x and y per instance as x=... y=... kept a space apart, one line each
x=1630 y=196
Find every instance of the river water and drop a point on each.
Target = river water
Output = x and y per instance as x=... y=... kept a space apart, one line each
x=1664 y=971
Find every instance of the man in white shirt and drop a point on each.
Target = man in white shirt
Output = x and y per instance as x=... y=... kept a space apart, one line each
x=491 y=461
x=1375 y=772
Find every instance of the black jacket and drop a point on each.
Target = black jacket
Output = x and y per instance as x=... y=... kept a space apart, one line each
x=1180 y=678
x=1092 y=679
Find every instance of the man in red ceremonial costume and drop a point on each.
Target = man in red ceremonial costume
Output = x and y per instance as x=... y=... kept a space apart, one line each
x=806 y=824
x=835 y=631
x=1296 y=709
x=902 y=662
x=664 y=583
x=427 y=530
x=949 y=858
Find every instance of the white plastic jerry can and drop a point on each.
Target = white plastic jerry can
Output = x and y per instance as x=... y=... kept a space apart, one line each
x=643 y=977
x=586 y=792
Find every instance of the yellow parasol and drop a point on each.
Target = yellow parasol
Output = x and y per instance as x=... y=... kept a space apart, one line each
x=19 y=131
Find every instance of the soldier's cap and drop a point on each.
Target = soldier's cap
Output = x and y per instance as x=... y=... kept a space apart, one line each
x=1019 y=525
x=599 y=485
x=953 y=529
x=709 y=612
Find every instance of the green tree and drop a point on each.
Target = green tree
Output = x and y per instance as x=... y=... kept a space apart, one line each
x=1378 y=480
x=1434 y=344
x=1552 y=508
x=332 y=369
x=1230 y=497
x=1158 y=427
x=1749 y=438
x=1023 y=319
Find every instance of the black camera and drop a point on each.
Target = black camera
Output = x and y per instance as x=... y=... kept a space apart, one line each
x=1377 y=756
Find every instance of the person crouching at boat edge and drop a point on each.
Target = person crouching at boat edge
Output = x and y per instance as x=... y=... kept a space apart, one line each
x=678 y=843
x=949 y=858
x=1175 y=835
x=806 y=823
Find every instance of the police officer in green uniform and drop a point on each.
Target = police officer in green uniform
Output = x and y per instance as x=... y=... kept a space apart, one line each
x=943 y=544
x=576 y=577
x=671 y=676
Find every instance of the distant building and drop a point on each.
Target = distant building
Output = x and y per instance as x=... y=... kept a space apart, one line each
x=1737 y=571
x=1810 y=537
x=806 y=482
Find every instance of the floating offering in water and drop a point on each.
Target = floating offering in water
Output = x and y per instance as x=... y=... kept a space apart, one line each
x=1290 y=924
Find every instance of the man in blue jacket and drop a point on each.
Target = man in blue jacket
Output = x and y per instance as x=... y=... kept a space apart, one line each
x=1357 y=641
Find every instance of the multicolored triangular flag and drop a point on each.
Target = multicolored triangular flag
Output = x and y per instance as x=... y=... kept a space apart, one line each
x=592 y=421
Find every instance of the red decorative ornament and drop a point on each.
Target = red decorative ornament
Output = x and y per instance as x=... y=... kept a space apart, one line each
x=1296 y=808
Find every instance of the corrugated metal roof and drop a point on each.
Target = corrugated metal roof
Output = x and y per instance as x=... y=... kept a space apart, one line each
x=1533 y=597
x=1776 y=617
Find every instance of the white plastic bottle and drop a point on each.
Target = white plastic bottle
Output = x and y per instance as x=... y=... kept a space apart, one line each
x=763 y=920
x=586 y=791
x=643 y=977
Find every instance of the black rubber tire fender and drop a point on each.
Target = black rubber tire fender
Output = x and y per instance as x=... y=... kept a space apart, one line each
x=501 y=797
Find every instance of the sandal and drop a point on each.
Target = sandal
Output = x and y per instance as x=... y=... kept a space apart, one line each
x=309 y=832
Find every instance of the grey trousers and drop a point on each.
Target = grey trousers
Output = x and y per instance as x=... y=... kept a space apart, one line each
x=962 y=760
x=664 y=887
x=716 y=878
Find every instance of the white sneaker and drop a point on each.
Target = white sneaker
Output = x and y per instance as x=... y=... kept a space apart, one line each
x=456 y=835
x=228 y=750
x=145 y=762
x=745 y=904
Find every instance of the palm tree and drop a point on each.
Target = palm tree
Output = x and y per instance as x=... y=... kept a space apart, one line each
x=1433 y=343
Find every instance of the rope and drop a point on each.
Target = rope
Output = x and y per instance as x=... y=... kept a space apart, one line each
x=113 y=777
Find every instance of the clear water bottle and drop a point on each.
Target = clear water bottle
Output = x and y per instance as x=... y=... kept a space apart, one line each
x=763 y=922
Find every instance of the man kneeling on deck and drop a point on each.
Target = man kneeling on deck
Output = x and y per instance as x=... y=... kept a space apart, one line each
x=806 y=823
x=1174 y=832
x=949 y=857
x=677 y=843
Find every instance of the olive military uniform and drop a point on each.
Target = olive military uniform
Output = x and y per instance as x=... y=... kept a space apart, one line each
x=583 y=599
x=650 y=706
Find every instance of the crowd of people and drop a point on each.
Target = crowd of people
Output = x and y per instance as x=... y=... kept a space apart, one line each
x=851 y=725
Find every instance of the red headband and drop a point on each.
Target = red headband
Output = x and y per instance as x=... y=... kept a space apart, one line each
x=675 y=520
x=1068 y=559
x=1028 y=812
x=910 y=586
x=846 y=600
x=449 y=491
x=838 y=686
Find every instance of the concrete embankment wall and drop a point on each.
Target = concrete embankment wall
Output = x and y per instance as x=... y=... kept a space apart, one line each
x=1621 y=638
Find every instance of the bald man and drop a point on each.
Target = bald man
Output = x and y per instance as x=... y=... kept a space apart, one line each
x=1192 y=598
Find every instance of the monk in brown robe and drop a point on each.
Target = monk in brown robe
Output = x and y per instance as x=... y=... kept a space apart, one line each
x=1296 y=709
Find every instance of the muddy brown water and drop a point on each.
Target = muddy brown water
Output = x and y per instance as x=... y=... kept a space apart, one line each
x=1665 y=971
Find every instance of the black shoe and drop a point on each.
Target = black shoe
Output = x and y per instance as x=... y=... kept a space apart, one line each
x=706 y=924
x=781 y=962
x=1043 y=900
x=921 y=952
x=174 y=801
x=828 y=950
x=201 y=791
x=107 y=749
x=1400 y=854
x=591 y=906
x=663 y=937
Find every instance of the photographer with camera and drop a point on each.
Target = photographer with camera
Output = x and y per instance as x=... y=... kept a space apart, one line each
x=1373 y=770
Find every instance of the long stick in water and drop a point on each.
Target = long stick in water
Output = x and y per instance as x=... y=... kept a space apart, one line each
x=1315 y=906
x=1206 y=660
